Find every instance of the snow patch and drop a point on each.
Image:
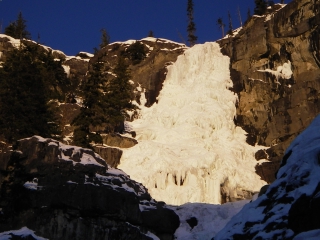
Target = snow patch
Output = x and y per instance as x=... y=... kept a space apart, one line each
x=23 y=233
x=116 y=171
x=150 y=39
x=151 y=235
x=14 y=42
x=90 y=55
x=32 y=185
x=210 y=219
x=66 y=70
x=283 y=71
x=310 y=235
x=163 y=40
x=84 y=160
x=77 y=57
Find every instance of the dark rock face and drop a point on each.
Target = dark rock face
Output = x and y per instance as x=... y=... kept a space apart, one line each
x=78 y=68
x=66 y=114
x=65 y=192
x=289 y=208
x=274 y=105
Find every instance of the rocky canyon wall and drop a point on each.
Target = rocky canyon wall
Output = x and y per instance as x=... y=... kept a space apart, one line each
x=275 y=69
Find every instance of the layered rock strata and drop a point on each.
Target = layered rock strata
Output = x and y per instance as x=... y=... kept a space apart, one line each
x=275 y=69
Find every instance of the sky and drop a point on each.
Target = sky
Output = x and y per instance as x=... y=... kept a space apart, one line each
x=74 y=25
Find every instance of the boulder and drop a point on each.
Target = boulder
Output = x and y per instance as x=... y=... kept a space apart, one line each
x=112 y=155
x=117 y=140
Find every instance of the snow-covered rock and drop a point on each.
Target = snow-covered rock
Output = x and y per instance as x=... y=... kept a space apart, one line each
x=64 y=192
x=290 y=208
x=200 y=221
x=23 y=233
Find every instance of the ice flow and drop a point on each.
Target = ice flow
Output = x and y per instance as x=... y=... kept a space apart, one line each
x=189 y=146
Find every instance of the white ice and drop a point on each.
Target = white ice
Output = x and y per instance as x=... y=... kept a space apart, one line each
x=188 y=142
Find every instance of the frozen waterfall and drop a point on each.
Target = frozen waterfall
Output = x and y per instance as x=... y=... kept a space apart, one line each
x=188 y=143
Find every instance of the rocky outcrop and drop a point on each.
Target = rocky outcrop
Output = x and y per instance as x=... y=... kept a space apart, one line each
x=275 y=70
x=76 y=67
x=111 y=155
x=290 y=207
x=148 y=74
x=117 y=140
x=111 y=148
x=66 y=114
x=64 y=192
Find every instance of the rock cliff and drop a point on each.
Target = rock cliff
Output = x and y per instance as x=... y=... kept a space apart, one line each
x=63 y=192
x=275 y=69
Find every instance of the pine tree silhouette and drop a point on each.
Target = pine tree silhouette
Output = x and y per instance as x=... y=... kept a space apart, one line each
x=221 y=25
x=230 y=31
x=191 y=29
x=105 y=104
x=18 y=29
x=119 y=96
x=92 y=112
x=260 y=7
x=105 y=38
x=24 y=108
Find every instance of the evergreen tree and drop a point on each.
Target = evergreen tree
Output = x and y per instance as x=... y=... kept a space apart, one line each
x=56 y=79
x=105 y=38
x=92 y=112
x=105 y=103
x=18 y=29
x=24 y=109
x=260 y=7
x=119 y=96
x=230 y=24
x=135 y=52
x=270 y=3
x=248 y=14
x=10 y=30
x=239 y=15
x=221 y=25
x=191 y=29
x=150 y=34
